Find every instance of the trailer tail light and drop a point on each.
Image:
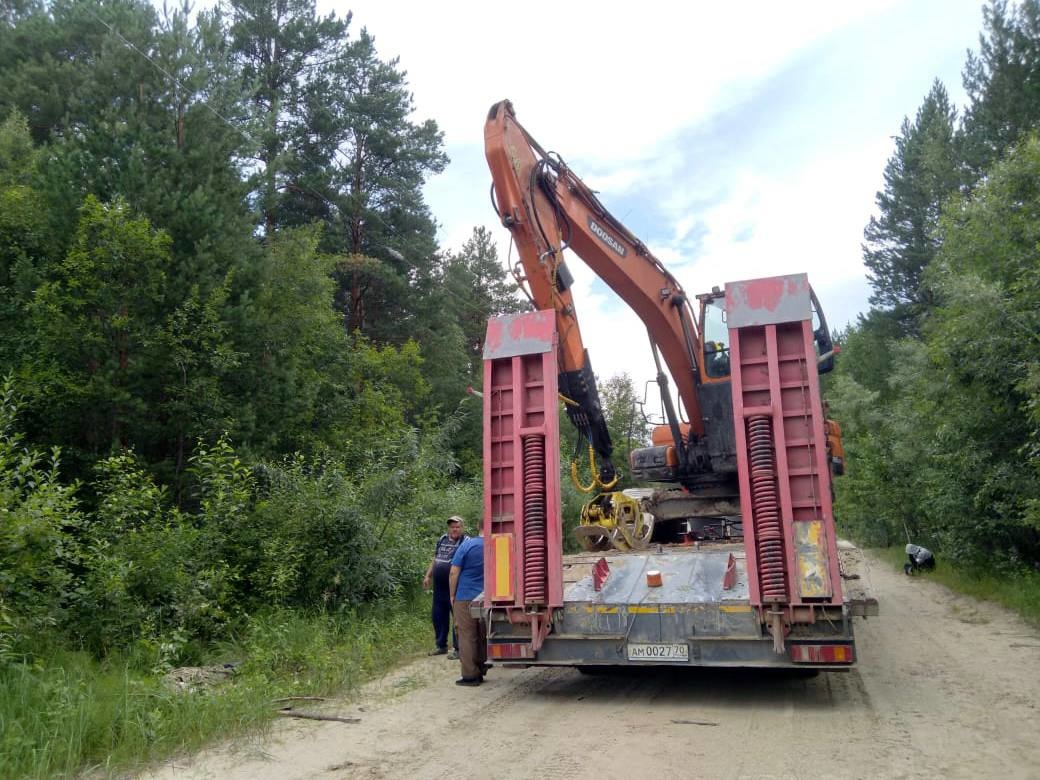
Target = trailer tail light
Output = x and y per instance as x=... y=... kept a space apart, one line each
x=506 y=650
x=823 y=654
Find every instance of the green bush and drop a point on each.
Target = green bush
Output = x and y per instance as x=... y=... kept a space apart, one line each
x=149 y=573
x=38 y=519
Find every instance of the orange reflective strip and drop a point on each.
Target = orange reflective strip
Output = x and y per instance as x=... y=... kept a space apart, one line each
x=503 y=566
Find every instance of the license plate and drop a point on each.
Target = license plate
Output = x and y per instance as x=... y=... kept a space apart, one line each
x=678 y=652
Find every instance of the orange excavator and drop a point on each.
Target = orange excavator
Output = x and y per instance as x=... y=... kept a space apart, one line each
x=548 y=209
x=745 y=457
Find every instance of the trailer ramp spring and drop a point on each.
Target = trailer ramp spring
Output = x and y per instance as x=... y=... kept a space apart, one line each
x=765 y=508
x=535 y=538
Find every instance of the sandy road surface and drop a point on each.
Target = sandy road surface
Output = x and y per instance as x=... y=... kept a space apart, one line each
x=946 y=687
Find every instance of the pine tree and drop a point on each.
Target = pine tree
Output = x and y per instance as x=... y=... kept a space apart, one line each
x=479 y=289
x=336 y=143
x=1001 y=83
x=384 y=160
x=191 y=184
x=901 y=241
x=285 y=54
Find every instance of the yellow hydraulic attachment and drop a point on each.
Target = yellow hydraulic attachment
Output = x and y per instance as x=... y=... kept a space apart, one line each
x=614 y=520
x=596 y=481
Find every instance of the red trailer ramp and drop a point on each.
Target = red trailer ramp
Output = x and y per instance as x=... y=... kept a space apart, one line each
x=523 y=566
x=789 y=534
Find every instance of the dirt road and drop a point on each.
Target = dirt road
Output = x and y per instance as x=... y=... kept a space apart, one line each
x=945 y=687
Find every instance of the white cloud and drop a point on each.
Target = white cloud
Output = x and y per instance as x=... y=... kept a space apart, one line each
x=600 y=80
x=790 y=105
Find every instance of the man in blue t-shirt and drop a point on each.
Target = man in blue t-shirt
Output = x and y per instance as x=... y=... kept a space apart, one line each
x=438 y=574
x=466 y=582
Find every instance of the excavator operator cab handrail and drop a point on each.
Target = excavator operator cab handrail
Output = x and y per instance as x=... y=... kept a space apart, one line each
x=825 y=348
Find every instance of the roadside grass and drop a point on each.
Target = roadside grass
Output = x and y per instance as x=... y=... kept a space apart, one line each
x=1016 y=590
x=65 y=714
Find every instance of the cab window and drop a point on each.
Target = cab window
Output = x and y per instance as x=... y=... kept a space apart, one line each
x=716 y=339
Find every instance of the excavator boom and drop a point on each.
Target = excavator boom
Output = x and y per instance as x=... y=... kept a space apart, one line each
x=547 y=208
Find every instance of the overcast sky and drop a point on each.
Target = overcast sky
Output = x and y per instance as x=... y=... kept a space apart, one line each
x=736 y=140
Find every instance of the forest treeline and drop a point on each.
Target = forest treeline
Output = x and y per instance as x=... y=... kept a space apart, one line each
x=234 y=359
x=938 y=386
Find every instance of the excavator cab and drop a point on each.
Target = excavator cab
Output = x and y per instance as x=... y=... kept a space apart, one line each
x=715 y=335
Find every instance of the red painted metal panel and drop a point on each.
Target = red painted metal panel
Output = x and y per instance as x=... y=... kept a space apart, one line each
x=740 y=362
x=781 y=453
x=769 y=301
x=530 y=333
x=521 y=458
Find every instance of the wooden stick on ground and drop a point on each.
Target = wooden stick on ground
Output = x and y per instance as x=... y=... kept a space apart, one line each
x=315 y=716
x=695 y=722
x=300 y=698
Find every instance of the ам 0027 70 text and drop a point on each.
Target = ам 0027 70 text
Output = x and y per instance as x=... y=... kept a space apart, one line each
x=677 y=651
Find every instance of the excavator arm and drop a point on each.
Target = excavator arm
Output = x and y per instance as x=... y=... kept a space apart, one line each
x=547 y=209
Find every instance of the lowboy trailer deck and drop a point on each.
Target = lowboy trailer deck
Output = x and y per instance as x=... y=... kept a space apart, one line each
x=700 y=615
x=783 y=596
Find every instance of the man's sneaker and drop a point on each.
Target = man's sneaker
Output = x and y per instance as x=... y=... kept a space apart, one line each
x=484 y=669
x=453 y=655
x=438 y=651
x=472 y=681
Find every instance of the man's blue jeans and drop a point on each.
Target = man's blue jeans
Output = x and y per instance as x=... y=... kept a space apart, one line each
x=441 y=618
